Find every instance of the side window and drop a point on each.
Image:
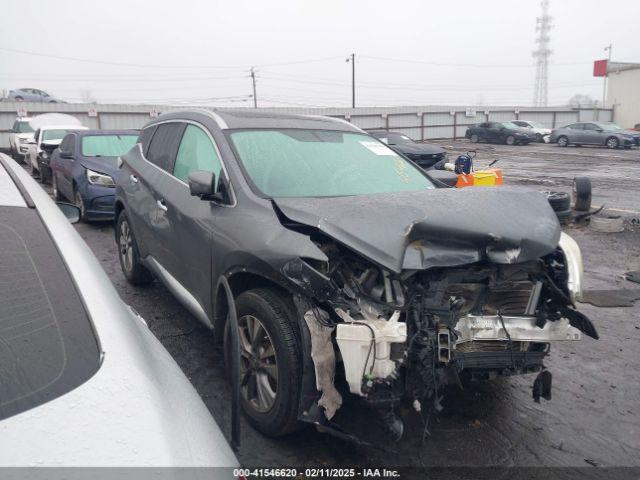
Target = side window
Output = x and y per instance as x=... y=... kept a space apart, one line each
x=164 y=145
x=590 y=126
x=196 y=152
x=68 y=144
x=145 y=138
x=576 y=126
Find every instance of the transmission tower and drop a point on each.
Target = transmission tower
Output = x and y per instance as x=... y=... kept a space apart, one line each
x=542 y=54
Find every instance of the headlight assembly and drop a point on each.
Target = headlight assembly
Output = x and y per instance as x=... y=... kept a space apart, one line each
x=573 y=258
x=101 y=179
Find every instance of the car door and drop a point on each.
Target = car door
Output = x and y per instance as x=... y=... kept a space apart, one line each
x=575 y=132
x=188 y=219
x=494 y=132
x=591 y=134
x=142 y=177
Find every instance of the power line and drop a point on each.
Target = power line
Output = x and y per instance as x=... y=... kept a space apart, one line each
x=139 y=65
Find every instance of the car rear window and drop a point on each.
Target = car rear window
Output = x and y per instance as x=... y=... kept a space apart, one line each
x=107 y=145
x=47 y=343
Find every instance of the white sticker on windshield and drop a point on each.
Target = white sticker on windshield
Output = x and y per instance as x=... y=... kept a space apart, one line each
x=379 y=148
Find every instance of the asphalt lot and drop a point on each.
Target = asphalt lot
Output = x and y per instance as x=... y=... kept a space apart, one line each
x=594 y=416
x=614 y=173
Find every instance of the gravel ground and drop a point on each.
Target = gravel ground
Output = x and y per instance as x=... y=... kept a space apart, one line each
x=593 y=418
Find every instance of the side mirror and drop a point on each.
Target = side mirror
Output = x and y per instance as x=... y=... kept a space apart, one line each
x=66 y=154
x=599 y=130
x=202 y=184
x=32 y=142
x=70 y=211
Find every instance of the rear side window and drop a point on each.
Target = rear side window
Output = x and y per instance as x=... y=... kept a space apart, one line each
x=68 y=143
x=47 y=344
x=196 y=152
x=145 y=138
x=164 y=145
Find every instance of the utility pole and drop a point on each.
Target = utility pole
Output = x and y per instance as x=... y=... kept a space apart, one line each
x=542 y=54
x=253 y=80
x=352 y=59
x=606 y=75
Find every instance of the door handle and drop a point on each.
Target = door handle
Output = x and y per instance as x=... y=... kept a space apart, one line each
x=161 y=205
x=133 y=179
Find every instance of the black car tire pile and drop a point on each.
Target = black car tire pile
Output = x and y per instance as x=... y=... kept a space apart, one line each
x=561 y=204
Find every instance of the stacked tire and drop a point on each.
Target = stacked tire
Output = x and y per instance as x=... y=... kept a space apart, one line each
x=561 y=204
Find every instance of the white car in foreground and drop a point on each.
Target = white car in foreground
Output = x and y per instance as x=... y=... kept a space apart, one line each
x=84 y=382
x=542 y=132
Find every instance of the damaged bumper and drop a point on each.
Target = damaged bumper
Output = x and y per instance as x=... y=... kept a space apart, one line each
x=522 y=329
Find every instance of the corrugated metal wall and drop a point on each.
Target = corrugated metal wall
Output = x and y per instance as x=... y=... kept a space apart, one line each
x=418 y=122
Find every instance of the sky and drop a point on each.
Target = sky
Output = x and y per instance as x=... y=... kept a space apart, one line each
x=408 y=52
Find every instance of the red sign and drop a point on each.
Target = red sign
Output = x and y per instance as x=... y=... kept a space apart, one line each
x=600 y=68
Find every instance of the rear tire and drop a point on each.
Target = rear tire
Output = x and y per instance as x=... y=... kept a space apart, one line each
x=510 y=140
x=562 y=141
x=132 y=268
x=582 y=193
x=474 y=138
x=270 y=363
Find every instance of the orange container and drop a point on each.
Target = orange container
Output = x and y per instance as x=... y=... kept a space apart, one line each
x=481 y=178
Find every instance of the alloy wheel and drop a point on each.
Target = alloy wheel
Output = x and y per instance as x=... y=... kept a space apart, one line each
x=612 y=143
x=258 y=364
x=125 y=247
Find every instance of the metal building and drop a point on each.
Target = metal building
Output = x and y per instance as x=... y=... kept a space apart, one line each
x=623 y=92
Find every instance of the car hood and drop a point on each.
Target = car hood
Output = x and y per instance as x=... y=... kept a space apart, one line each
x=436 y=227
x=108 y=165
x=418 y=149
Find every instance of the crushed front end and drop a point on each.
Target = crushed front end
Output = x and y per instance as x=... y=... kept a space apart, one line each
x=432 y=298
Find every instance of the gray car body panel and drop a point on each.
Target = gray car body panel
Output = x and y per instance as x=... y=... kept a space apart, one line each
x=137 y=410
x=593 y=137
x=434 y=228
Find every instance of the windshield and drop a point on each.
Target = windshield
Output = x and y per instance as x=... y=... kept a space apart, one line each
x=609 y=127
x=22 y=127
x=107 y=145
x=510 y=125
x=321 y=163
x=395 y=138
x=53 y=134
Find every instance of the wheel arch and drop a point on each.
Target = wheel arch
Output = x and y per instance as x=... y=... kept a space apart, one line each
x=240 y=281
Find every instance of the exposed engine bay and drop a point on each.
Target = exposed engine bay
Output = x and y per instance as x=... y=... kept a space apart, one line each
x=404 y=336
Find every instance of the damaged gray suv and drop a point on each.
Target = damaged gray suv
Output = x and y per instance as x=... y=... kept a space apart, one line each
x=351 y=272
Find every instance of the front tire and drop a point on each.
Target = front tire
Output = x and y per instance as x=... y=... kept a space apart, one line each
x=270 y=361
x=132 y=268
x=510 y=140
x=474 y=138
x=562 y=141
x=612 y=142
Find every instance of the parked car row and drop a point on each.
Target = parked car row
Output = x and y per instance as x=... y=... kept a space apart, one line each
x=522 y=132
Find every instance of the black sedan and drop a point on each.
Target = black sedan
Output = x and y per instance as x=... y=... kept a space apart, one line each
x=423 y=154
x=500 y=132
